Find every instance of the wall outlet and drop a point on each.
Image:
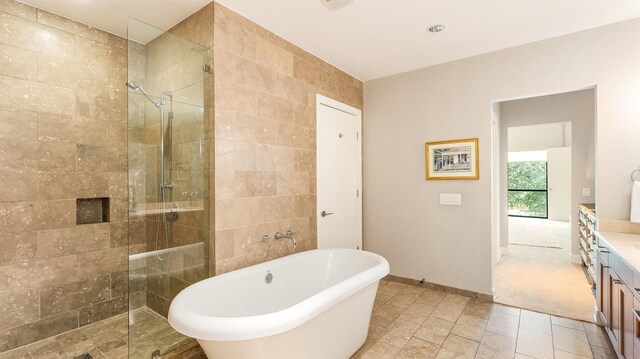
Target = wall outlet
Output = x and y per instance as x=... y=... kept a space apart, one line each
x=586 y=192
x=451 y=199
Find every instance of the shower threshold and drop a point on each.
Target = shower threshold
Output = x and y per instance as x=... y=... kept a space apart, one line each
x=151 y=332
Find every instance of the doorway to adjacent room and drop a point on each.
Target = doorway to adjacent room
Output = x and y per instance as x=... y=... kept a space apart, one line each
x=545 y=167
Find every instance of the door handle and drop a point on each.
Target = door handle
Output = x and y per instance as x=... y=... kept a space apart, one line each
x=325 y=213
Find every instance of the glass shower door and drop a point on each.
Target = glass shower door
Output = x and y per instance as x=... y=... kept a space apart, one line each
x=169 y=127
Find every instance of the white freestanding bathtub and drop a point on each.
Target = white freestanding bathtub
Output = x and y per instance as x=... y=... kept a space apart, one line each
x=317 y=305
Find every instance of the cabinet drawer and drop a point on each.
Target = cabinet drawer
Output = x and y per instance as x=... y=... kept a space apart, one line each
x=603 y=257
x=621 y=268
x=603 y=249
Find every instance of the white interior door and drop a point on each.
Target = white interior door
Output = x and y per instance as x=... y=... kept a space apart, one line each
x=559 y=185
x=339 y=175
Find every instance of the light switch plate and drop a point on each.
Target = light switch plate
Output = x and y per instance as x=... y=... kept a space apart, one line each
x=451 y=199
x=586 y=192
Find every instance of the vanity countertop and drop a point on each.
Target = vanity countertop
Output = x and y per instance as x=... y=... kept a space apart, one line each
x=589 y=208
x=626 y=244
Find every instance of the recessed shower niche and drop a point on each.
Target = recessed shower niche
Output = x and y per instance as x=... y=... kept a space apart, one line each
x=92 y=210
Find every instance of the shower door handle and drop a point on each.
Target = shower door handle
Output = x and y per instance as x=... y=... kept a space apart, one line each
x=325 y=213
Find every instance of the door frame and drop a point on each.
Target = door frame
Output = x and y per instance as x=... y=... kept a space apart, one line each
x=337 y=105
x=499 y=210
x=555 y=180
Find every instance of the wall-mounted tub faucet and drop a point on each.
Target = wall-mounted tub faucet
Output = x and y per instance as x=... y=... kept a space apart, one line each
x=288 y=234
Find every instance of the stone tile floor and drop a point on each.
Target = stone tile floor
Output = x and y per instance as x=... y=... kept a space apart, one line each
x=407 y=322
x=108 y=339
x=415 y=322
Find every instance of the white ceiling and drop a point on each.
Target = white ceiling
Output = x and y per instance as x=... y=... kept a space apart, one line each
x=376 y=38
x=112 y=15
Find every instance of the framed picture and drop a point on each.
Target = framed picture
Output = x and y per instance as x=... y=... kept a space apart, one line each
x=453 y=160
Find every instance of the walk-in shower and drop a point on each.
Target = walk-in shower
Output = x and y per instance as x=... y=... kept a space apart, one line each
x=169 y=167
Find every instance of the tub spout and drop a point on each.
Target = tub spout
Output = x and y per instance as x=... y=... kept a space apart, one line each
x=288 y=234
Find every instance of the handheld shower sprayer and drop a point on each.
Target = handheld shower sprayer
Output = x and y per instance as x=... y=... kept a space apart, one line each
x=168 y=211
x=136 y=87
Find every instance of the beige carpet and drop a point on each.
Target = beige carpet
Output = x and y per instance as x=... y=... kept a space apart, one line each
x=543 y=280
x=538 y=232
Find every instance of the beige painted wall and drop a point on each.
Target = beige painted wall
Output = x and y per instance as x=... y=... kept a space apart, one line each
x=452 y=245
x=577 y=107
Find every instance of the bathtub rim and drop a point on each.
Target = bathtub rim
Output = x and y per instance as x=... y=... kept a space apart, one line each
x=205 y=327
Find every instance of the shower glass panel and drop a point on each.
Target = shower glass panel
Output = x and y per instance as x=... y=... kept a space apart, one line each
x=169 y=134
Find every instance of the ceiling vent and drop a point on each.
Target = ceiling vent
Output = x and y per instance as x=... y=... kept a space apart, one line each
x=336 y=4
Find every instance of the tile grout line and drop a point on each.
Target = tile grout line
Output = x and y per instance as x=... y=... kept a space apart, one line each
x=492 y=311
x=515 y=350
x=553 y=343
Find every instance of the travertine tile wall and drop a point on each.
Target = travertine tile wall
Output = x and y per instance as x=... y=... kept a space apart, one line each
x=62 y=136
x=265 y=159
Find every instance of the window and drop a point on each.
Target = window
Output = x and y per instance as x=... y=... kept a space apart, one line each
x=527 y=186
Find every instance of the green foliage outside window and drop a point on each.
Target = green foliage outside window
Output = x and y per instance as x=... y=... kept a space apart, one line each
x=527 y=176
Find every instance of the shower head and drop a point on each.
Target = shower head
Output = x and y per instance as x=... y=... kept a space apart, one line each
x=136 y=87
x=133 y=85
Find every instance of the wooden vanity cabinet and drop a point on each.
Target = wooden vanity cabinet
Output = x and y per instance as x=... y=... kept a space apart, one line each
x=603 y=286
x=618 y=302
x=587 y=240
x=627 y=321
x=614 y=317
x=621 y=319
x=636 y=328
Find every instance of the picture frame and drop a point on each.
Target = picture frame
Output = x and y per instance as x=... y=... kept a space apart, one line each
x=453 y=160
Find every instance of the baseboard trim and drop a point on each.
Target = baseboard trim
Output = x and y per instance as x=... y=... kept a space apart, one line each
x=504 y=252
x=575 y=259
x=597 y=316
x=467 y=293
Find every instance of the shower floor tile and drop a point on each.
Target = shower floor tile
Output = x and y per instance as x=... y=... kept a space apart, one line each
x=106 y=339
x=150 y=332
x=109 y=339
